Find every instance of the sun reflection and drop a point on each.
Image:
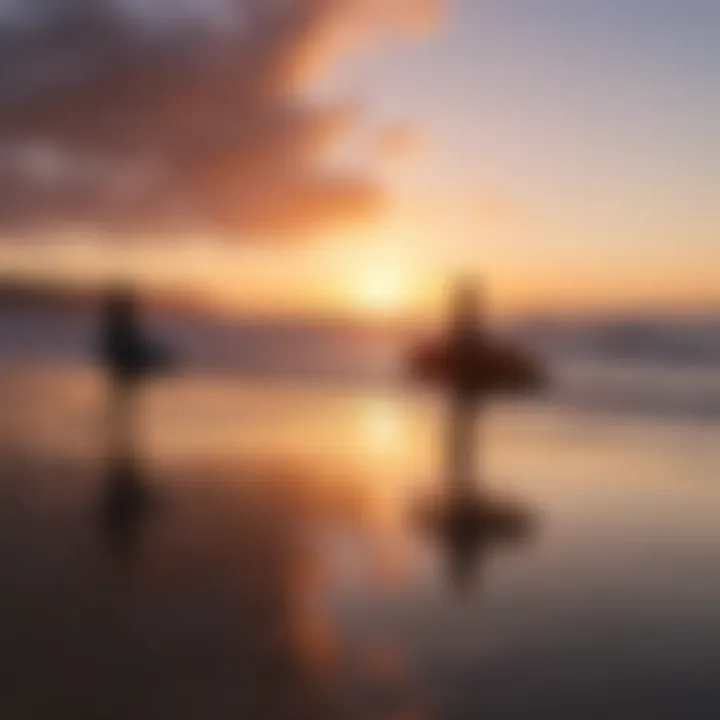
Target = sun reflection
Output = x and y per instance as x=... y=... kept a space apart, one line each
x=381 y=427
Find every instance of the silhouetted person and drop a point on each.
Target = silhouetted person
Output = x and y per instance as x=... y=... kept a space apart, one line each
x=471 y=367
x=128 y=358
x=467 y=348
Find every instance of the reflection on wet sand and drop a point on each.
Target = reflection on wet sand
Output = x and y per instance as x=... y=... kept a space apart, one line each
x=126 y=506
x=219 y=620
x=467 y=532
x=462 y=517
x=224 y=614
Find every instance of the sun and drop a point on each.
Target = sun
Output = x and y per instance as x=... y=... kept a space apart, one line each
x=381 y=291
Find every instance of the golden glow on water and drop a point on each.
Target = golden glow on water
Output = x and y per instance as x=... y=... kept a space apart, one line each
x=382 y=430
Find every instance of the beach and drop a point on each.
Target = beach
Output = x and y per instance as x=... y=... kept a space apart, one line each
x=276 y=570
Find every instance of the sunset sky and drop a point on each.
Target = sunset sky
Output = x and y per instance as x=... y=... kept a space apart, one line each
x=565 y=150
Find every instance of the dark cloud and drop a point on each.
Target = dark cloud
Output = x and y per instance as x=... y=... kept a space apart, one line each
x=183 y=114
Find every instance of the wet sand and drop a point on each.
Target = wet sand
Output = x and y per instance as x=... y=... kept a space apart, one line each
x=266 y=564
x=194 y=599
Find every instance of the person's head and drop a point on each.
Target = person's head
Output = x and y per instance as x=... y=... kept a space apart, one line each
x=466 y=302
x=120 y=305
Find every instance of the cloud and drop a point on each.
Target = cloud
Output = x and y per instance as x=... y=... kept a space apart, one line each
x=180 y=115
x=399 y=141
x=422 y=17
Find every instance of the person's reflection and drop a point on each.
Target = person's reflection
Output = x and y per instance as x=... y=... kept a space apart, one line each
x=469 y=528
x=470 y=367
x=125 y=507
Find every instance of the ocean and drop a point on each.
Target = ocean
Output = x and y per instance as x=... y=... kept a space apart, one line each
x=283 y=567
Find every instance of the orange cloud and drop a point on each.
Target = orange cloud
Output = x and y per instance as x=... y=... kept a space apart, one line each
x=186 y=119
x=423 y=16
